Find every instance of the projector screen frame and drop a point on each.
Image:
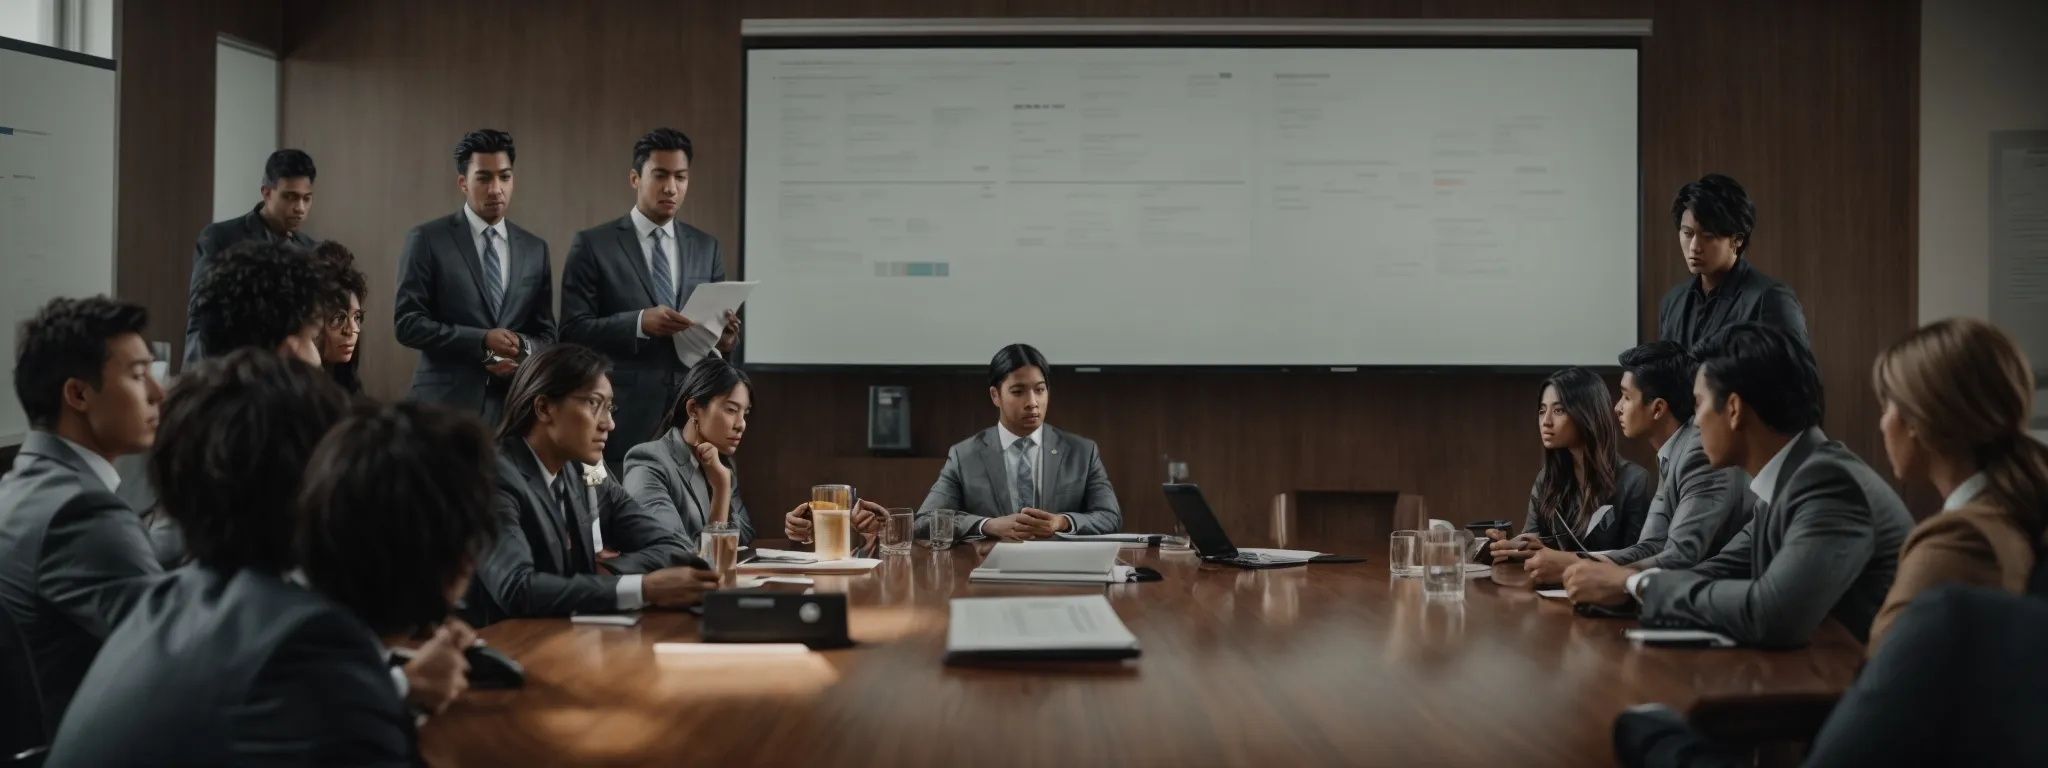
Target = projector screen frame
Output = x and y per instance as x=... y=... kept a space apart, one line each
x=1169 y=38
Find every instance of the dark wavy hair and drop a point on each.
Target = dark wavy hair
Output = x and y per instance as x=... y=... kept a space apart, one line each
x=1721 y=206
x=708 y=380
x=67 y=340
x=338 y=264
x=1772 y=370
x=550 y=374
x=395 y=510
x=288 y=164
x=1591 y=408
x=257 y=294
x=486 y=141
x=660 y=140
x=231 y=451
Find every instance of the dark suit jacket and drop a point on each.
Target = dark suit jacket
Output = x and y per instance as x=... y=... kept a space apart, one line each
x=1696 y=511
x=1622 y=526
x=1827 y=544
x=1688 y=315
x=605 y=284
x=440 y=311
x=215 y=238
x=213 y=668
x=73 y=561
x=662 y=475
x=527 y=572
x=974 y=481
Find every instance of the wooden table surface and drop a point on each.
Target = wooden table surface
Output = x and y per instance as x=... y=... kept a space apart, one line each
x=1324 y=665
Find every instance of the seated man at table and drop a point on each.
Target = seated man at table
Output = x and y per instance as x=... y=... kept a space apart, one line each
x=1698 y=507
x=1826 y=534
x=1022 y=479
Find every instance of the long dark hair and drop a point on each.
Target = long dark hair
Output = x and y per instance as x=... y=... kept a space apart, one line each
x=1591 y=408
x=710 y=379
x=343 y=280
x=552 y=373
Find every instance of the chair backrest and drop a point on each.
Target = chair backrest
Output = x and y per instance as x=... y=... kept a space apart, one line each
x=23 y=725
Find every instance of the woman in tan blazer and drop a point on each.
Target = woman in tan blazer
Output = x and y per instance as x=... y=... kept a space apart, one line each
x=1957 y=394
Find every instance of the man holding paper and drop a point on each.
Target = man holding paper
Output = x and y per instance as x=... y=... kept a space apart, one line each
x=625 y=282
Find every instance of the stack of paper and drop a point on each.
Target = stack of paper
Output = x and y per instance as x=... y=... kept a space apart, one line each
x=1081 y=627
x=1066 y=562
x=786 y=561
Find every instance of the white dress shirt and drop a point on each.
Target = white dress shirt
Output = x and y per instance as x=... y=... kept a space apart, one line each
x=630 y=598
x=1764 y=485
x=476 y=238
x=1966 y=493
x=99 y=464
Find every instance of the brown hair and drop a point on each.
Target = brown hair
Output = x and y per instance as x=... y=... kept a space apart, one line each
x=1967 y=388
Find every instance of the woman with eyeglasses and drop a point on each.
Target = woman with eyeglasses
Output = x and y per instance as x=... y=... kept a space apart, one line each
x=564 y=515
x=347 y=288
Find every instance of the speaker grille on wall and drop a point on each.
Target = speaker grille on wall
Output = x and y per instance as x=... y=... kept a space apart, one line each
x=889 y=418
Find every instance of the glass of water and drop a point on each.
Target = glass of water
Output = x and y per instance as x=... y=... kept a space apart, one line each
x=1443 y=563
x=1404 y=554
x=719 y=545
x=941 y=529
x=898 y=530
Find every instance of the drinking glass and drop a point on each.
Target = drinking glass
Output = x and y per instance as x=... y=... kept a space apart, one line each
x=941 y=533
x=1404 y=554
x=832 y=521
x=719 y=544
x=899 y=531
x=1443 y=563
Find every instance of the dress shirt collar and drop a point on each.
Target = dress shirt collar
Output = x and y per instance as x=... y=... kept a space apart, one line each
x=1966 y=493
x=542 y=464
x=1010 y=438
x=1766 y=483
x=477 y=225
x=97 y=463
x=643 y=225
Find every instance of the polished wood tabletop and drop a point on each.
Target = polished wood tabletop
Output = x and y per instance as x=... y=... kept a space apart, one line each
x=1333 y=664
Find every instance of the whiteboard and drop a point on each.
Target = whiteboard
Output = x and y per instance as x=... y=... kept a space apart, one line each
x=1170 y=206
x=56 y=190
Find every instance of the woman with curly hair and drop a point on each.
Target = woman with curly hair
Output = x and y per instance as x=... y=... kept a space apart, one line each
x=346 y=289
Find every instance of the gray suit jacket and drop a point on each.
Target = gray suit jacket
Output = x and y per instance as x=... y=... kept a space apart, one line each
x=975 y=482
x=214 y=239
x=1826 y=545
x=246 y=668
x=662 y=475
x=527 y=572
x=73 y=561
x=605 y=284
x=1696 y=511
x=440 y=311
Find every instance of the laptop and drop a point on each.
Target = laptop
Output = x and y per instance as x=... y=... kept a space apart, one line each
x=1207 y=536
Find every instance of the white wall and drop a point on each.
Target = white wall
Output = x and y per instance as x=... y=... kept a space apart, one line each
x=244 y=127
x=26 y=20
x=1983 y=68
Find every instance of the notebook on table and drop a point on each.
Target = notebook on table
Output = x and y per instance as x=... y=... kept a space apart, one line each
x=1061 y=628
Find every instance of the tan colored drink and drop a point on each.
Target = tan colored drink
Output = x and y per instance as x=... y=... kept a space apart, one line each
x=832 y=521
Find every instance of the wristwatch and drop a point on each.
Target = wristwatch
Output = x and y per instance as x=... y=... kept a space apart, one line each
x=1636 y=581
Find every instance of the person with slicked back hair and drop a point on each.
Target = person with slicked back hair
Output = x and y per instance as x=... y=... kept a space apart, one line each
x=561 y=515
x=1716 y=222
x=475 y=291
x=1957 y=395
x=287 y=192
x=1586 y=497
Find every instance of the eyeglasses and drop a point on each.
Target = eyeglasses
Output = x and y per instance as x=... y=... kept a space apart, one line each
x=340 y=321
x=599 y=406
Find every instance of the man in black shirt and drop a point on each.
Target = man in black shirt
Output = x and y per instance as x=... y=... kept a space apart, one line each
x=1715 y=219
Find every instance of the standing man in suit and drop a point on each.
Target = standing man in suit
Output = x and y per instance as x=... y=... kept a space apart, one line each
x=1025 y=480
x=475 y=293
x=287 y=198
x=625 y=280
x=73 y=557
x=1698 y=507
x=1715 y=220
x=1825 y=537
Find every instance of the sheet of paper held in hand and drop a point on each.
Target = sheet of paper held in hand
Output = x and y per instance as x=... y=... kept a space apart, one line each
x=1084 y=622
x=707 y=307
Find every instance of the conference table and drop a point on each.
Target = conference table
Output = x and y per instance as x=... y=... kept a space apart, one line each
x=1328 y=664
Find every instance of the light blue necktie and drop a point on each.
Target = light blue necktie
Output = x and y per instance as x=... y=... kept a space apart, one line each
x=1027 y=480
x=664 y=285
x=494 y=279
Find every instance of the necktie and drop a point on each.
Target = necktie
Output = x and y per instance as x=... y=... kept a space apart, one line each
x=1027 y=480
x=664 y=285
x=494 y=279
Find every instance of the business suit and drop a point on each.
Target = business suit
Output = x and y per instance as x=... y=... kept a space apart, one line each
x=1621 y=526
x=215 y=239
x=1824 y=542
x=606 y=282
x=664 y=477
x=73 y=561
x=1689 y=314
x=544 y=562
x=241 y=668
x=1696 y=511
x=1977 y=544
x=976 y=482
x=441 y=310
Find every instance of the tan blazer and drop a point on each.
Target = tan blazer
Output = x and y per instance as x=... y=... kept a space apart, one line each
x=1978 y=545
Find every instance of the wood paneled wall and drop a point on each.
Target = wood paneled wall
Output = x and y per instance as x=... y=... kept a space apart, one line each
x=1812 y=105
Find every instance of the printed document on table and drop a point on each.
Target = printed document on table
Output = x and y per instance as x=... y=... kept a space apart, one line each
x=1010 y=624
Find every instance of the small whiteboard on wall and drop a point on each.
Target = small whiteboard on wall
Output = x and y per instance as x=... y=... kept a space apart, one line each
x=2019 y=246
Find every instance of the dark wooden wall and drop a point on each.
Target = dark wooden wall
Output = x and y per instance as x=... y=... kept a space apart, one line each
x=1813 y=105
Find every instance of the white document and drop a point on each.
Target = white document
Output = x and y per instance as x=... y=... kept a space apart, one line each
x=1679 y=637
x=1281 y=555
x=1014 y=624
x=1554 y=594
x=728 y=649
x=849 y=565
x=707 y=307
x=1055 y=561
x=784 y=555
x=1120 y=538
